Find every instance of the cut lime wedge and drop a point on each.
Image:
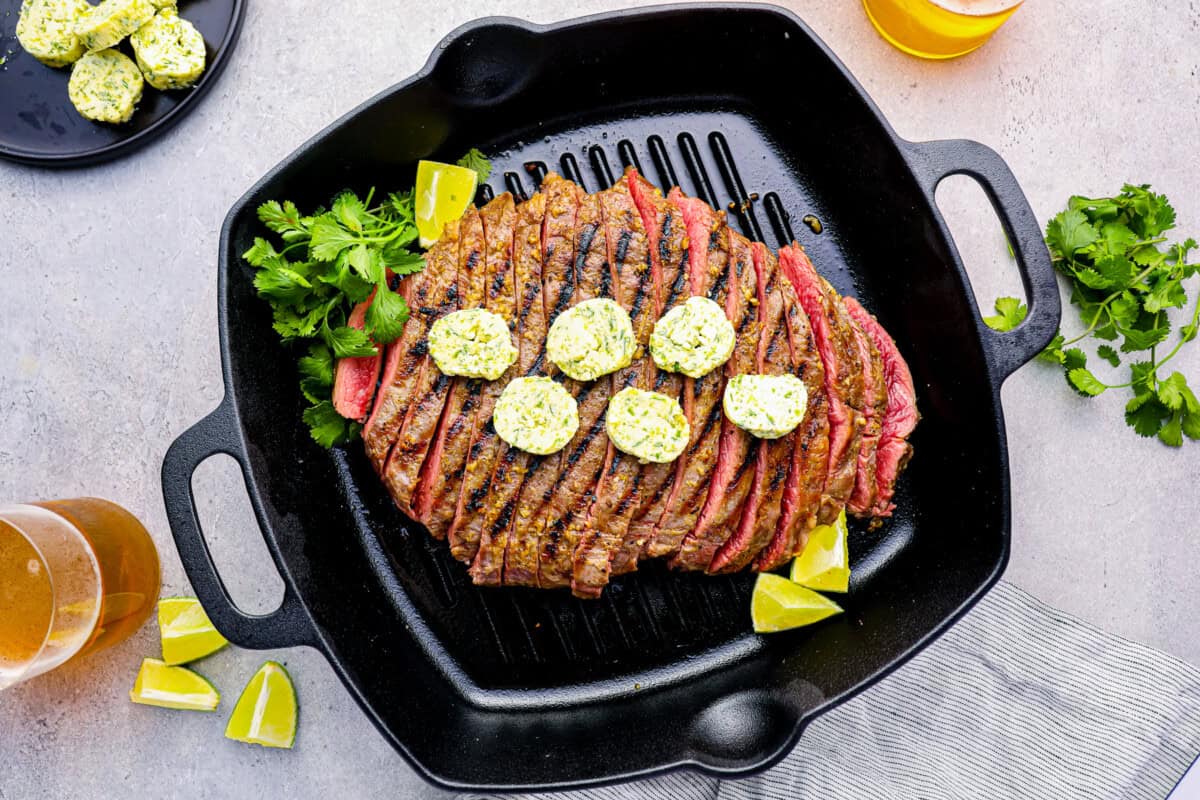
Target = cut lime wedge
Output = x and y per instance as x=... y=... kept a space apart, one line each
x=825 y=562
x=160 y=684
x=443 y=192
x=266 y=712
x=186 y=632
x=778 y=604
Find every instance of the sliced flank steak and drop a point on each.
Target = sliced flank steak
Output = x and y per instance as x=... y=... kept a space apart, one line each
x=354 y=379
x=707 y=259
x=490 y=460
x=667 y=238
x=464 y=498
x=900 y=416
x=447 y=454
x=618 y=491
x=843 y=376
x=760 y=514
x=572 y=493
x=862 y=498
x=429 y=294
x=810 y=458
x=734 y=473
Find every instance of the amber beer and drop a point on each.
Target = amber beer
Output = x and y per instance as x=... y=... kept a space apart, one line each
x=75 y=576
x=939 y=28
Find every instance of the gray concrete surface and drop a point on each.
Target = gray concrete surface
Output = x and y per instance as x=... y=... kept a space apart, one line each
x=108 y=350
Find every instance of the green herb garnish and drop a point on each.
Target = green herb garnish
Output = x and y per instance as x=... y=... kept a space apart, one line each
x=327 y=263
x=1124 y=277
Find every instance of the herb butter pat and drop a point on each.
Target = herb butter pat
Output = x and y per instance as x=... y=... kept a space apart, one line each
x=105 y=86
x=766 y=406
x=105 y=25
x=169 y=50
x=536 y=415
x=473 y=343
x=591 y=339
x=46 y=29
x=694 y=338
x=648 y=425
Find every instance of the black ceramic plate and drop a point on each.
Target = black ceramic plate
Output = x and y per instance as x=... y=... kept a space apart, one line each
x=38 y=124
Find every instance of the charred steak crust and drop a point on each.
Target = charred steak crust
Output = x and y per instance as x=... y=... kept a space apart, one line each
x=618 y=491
x=427 y=294
x=584 y=456
x=862 y=497
x=667 y=238
x=734 y=473
x=810 y=458
x=707 y=254
x=446 y=459
x=462 y=500
x=761 y=512
x=900 y=416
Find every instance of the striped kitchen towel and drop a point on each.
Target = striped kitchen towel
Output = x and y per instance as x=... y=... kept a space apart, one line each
x=1017 y=700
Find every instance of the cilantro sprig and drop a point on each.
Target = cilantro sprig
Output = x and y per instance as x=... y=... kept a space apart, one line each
x=1125 y=277
x=326 y=263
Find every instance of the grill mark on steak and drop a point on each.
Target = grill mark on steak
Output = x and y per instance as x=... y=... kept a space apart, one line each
x=862 y=497
x=801 y=497
x=843 y=376
x=631 y=262
x=404 y=370
x=760 y=515
x=517 y=255
x=732 y=478
x=443 y=467
x=587 y=449
x=655 y=483
x=900 y=417
x=559 y=283
x=675 y=516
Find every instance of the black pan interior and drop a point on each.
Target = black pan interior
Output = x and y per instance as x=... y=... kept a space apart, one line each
x=733 y=104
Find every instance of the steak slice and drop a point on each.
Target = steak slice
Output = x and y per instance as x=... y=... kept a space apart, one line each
x=422 y=437
x=445 y=462
x=429 y=293
x=734 y=472
x=760 y=515
x=463 y=498
x=491 y=460
x=810 y=458
x=666 y=236
x=843 y=376
x=531 y=490
x=571 y=494
x=354 y=379
x=900 y=416
x=875 y=399
x=707 y=258
x=618 y=491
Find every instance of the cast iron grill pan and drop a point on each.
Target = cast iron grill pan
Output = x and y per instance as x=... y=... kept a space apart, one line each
x=529 y=689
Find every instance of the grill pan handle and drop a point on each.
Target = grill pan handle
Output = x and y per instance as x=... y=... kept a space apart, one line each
x=288 y=625
x=934 y=161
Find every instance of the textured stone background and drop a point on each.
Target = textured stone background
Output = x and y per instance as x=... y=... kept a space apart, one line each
x=108 y=350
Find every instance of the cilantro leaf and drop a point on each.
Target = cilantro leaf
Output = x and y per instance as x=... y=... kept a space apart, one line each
x=350 y=211
x=329 y=238
x=1145 y=414
x=326 y=425
x=1170 y=391
x=386 y=315
x=282 y=284
x=1070 y=232
x=284 y=219
x=1172 y=433
x=1085 y=382
x=1010 y=312
x=1053 y=353
x=1109 y=355
x=477 y=161
x=348 y=342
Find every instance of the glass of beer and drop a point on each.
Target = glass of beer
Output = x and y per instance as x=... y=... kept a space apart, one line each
x=76 y=576
x=939 y=28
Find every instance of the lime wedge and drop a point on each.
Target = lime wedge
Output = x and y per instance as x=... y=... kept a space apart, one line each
x=266 y=712
x=443 y=193
x=825 y=562
x=186 y=632
x=778 y=604
x=160 y=684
